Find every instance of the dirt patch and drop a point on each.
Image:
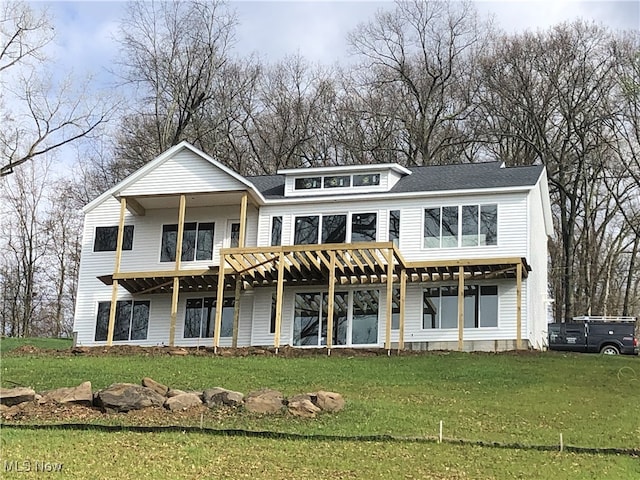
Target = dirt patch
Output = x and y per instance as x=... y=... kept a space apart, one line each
x=285 y=352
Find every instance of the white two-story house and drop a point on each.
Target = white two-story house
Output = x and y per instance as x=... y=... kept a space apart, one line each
x=186 y=252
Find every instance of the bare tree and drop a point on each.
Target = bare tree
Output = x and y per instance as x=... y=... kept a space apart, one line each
x=174 y=53
x=38 y=116
x=422 y=54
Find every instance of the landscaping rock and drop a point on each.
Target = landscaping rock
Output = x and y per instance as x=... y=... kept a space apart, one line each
x=174 y=392
x=182 y=402
x=217 y=396
x=303 y=408
x=15 y=396
x=80 y=395
x=155 y=386
x=123 y=397
x=264 y=401
x=304 y=396
x=329 y=401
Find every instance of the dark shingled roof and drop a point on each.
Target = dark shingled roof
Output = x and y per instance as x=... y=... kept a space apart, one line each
x=465 y=176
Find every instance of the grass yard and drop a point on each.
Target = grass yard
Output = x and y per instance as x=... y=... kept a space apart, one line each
x=7 y=343
x=527 y=399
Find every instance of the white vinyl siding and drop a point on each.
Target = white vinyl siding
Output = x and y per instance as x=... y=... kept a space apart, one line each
x=185 y=172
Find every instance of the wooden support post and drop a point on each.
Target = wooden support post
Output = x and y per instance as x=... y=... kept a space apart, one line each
x=241 y=243
x=519 y=306
x=176 y=279
x=389 y=309
x=116 y=269
x=331 y=295
x=403 y=295
x=461 y=308
x=174 y=311
x=219 y=303
x=279 y=292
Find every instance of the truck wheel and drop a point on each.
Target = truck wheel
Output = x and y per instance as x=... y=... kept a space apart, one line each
x=610 y=350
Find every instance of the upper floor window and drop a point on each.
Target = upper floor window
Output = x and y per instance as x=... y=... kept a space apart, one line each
x=106 y=239
x=367 y=179
x=337 y=181
x=234 y=234
x=197 y=242
x=276 y=231
x=461 y=226
x=314 y=229
x=308 y=183
x=394 y=226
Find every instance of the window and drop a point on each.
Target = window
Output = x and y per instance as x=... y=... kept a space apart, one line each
x=394 y=226
x=306 y=230
x=106 y=239
x=355 y=318
x=366 y=180
x=440 y=307
x=363 y=227
x=200 y=315
x=131 y=322
x=234 y=234
x=337 y=181
x=334 y=228
x=308 y=183
x=465 y=226
x=365 y=317
x=276 y=231
x=395 y=310
x=197 y=242
x=272 y=325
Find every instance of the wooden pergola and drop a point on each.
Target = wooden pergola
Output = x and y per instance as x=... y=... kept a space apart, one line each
x=358 y=264
x=365 y=263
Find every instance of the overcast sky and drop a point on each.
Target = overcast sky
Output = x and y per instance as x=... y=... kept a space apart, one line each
x=87 y=31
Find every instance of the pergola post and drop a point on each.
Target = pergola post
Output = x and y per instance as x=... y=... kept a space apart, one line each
x=403 y=294
x=219 y=300
x=519 y=306
x=176 y=279
x=279 y=292
x=331 y=295
x=116 y=269
x=241 y=243
x=461 y=308
x=389 y=309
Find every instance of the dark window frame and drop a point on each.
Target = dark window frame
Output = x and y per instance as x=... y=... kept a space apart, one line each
x=107 y=240
x=194 y=234
x=102 y=320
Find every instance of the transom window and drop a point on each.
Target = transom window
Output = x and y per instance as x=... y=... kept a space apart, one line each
x=131 y=322
x=440 y=307
x=197 y=242
x=337 y=181
x=314 y=229
x=200 y=315
x=461 y=226
x=355 y=318
x=106 y=239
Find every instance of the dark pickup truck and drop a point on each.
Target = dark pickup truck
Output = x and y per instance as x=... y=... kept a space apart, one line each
x=607 y=337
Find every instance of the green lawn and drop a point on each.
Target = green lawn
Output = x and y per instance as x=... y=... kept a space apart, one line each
x=528 y=399
x=8 y=343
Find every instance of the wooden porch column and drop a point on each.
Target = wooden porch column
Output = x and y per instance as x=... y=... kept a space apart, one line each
x=279 y=292
x=519 y=306
x=116 y=269
x=331 y=295
x=389 y=309
x=176 y=279
x=461 y=308
x=219 y=300
x=403 y=295
x=236 y=298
